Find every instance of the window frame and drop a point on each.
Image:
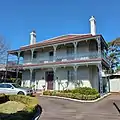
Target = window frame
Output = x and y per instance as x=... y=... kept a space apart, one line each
x=2 y=87
x=8 y=85
x=70 y=50
x=70 y=75
x=51 y=54
x=35 y=54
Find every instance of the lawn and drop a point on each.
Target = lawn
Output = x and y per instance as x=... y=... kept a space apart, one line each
x=11 y=107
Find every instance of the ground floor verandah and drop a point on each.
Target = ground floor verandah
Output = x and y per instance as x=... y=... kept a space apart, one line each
x=65 y=77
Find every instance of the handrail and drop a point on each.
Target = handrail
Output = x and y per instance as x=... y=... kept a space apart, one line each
x=78 y=56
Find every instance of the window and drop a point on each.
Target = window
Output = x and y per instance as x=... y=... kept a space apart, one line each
x=16 y=85
x=1 y=85
x=70 y=50
x=70 y=75
x=7 y=86
x=51 y=53
x=35 y=54
x=33 y=76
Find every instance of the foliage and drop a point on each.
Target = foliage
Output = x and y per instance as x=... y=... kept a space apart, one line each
x=85 y=91
x=27 y=113
x=81 y=93
x=118 y=68
x=3 y=50
x=11 y=80
x=113 y=54
x=32 y=86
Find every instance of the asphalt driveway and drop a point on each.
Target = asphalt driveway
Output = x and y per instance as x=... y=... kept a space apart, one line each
x=59 y=109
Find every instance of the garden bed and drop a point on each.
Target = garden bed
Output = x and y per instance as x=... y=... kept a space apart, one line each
x=82 y=93
x=17 y=107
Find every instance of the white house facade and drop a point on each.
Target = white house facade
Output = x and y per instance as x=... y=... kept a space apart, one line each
x=64 y=62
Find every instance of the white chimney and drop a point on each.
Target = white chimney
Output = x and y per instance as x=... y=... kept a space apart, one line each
x=92 y=25
x=32 y=37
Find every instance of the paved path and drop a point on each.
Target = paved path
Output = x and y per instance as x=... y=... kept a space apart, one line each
x=59 y=109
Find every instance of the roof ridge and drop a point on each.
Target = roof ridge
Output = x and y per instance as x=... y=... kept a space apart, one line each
x=62 y=37
x=65 y=35
x=81 y=34
x=56 y=37
x=48 y=39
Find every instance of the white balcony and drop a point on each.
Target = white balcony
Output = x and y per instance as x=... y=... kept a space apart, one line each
x=65 y=58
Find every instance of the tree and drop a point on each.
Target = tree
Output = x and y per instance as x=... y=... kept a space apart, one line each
x=114 y=54
x=3 y=50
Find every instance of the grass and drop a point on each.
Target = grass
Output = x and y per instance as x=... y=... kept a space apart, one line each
x=11 y=107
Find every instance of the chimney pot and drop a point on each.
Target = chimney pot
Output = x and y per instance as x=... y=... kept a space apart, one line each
x=92 y=25
x=32 y=37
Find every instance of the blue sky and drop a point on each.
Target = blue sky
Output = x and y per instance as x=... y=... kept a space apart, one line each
x=51 y=18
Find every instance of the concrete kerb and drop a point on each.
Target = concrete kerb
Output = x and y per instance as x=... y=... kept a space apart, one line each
x=75 y=100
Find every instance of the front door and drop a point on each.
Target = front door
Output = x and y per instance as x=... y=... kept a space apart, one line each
x=49 y=80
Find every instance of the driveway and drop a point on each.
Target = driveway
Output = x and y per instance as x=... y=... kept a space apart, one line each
x=59 y=109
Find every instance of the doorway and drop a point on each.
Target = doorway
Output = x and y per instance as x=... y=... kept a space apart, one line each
x=49 y=79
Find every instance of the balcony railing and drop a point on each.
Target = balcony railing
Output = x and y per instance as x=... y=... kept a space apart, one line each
x=83 y=56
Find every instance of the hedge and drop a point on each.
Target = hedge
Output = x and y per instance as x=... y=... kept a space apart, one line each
x=83 y=93
x=82 y=90
x=26 y=114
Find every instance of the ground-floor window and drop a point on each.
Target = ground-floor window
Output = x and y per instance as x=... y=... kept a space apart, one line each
x=70 y=75
x=33 y=76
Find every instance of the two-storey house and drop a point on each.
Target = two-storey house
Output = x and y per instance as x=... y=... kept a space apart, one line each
x=64 y=62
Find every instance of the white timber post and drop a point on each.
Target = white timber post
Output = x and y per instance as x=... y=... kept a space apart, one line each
x=75 y=74
x=100 y=78
x=75 y=50
x=54 y=58
x=32 y=53
x=100 y=66
x=54 y=85
x=31 y=72
x=99 y=47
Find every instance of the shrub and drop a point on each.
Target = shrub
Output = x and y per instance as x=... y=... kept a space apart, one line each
x=82 y=93
x=66 y=91
x=85 y=91
x=47 y=92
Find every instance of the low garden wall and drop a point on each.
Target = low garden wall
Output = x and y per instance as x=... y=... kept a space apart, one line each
x=82 y=93
x=31 y=111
